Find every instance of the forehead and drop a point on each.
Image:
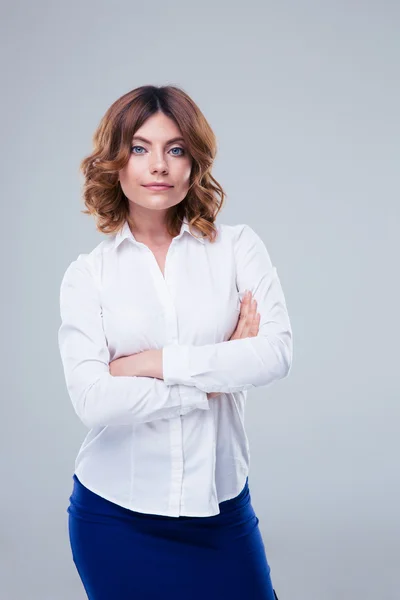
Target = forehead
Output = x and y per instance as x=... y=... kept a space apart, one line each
x=158 y=127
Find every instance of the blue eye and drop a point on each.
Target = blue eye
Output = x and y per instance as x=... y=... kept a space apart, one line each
x=173 y=154
x=137 y=147
x=177 y=148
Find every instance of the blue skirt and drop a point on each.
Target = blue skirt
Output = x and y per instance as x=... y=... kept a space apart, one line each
x=121 y=554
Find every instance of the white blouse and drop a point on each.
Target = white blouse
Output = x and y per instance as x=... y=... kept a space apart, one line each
x=161 y=446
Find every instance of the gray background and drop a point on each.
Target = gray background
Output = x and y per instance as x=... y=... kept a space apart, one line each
x=304 y=98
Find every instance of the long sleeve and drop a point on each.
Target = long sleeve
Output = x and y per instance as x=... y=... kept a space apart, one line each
x=98 y=397
x=235 y=365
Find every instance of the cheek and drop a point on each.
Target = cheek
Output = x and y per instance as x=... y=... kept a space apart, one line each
x=184 y=173
x=129 y=176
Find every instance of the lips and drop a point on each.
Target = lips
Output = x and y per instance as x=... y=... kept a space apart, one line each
x=158 y=185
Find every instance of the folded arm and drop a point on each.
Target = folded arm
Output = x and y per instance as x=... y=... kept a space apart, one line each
x=98 y=397
x=240 y=364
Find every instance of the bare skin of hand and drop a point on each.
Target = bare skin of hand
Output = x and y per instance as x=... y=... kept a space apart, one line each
x=143 y=364
x=248 y=324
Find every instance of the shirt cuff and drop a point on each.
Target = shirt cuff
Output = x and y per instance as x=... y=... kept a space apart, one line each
x=176 y=365
x=191 y=398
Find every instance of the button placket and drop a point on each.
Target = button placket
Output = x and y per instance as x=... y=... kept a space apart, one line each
x=171 y=325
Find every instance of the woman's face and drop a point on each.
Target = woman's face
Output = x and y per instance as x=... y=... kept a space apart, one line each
x=157 y=155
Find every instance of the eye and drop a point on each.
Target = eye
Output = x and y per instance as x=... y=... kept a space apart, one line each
x=133 y=147
x=178 y=148
x=173 y=153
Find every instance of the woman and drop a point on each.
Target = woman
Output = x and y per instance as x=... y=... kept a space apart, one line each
x=159 y=344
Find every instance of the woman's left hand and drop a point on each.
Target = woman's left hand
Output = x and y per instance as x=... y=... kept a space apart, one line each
x=121 y=367
x=143 y=364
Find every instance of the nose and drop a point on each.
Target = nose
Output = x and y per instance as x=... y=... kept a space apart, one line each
x=159 y=164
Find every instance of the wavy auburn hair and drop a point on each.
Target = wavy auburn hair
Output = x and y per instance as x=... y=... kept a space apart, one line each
x=102 y=192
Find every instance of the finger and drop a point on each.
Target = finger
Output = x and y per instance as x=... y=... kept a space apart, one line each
x=250 y=318
x=251 y=312
x=255 y=327
x=244 y=317
x=244 y=310
x=244 y=305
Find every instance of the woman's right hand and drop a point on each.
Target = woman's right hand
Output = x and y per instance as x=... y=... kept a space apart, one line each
x=249 y=319
x=247 y=326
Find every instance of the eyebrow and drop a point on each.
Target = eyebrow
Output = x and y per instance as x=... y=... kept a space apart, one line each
x=176 y=139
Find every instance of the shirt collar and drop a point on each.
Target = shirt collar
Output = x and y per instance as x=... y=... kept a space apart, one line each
x=125 y=233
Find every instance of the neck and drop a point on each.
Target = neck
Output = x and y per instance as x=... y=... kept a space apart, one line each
x=149 y=226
